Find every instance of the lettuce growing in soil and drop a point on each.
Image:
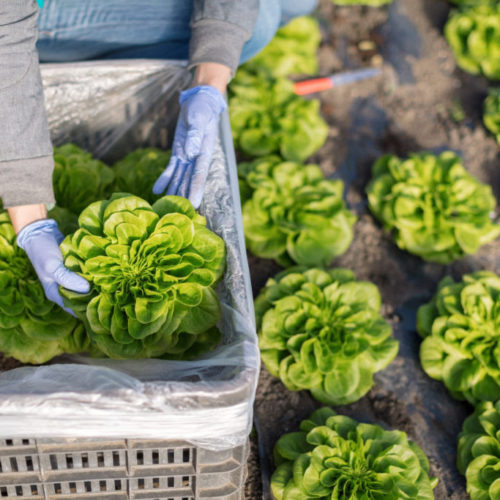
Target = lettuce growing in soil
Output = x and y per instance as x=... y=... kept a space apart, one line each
x=474 y=36
x=322 y=330
x=267 y=117
x=492 y=113
x=479 y=452
x=434 y=207
x=79 y=179
x=461 y=330
x=291 y=52
x=291 y=213
x=335 y=457
x=32 y=328
x=138 y=171
x=152 y=271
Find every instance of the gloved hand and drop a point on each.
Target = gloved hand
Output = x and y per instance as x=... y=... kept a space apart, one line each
x=194 y=143
x=40 y=240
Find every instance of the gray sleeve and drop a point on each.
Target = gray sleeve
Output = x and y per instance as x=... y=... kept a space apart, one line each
x=219 y=28
x=26 y=161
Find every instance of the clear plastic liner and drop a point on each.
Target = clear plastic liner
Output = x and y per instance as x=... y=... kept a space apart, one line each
x=111 y=108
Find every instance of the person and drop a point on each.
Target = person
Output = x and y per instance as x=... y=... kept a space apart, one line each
x=213 y=35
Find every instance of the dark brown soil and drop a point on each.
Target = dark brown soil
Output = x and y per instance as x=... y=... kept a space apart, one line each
x=415 y=105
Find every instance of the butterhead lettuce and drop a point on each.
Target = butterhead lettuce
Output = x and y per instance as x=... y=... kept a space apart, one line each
x=268 y=117
x=334 y=457
x=479 y=452
x=491 y=115
x=461 y=330
x=322 y=330
x=434 y=207
x=32 y=328
x=79 y=179
x=291 y=213
x=474 y=36
x=152 y=271
x=292 y=51
x=138 y=171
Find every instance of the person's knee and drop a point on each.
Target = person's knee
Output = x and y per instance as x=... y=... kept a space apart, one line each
x=268 y=22
x=295 y=8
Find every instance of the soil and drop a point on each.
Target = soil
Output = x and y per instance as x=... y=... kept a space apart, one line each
x=415 y=105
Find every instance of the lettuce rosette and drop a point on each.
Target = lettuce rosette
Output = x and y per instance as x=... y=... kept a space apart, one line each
x=321 y=330
x=152 y=271
x=335 y=457
x=32 y=328
x=138 y=171
x=491 y=115
x=434 y=207
x=268 y=117
x=479 y=452
x=292 y=51
x=292 y=214
x=461 y=330
x=474 y=36
x=79 y=179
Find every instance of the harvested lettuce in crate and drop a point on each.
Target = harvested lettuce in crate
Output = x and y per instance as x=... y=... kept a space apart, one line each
x=433 y=206
x=292 y=214
x=335 y=457
x=321 y=330
x=79 y=179
x=33 y=329
x=138 y=171
x=152 y=271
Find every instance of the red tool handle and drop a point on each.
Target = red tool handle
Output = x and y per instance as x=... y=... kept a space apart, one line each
x=312 y=86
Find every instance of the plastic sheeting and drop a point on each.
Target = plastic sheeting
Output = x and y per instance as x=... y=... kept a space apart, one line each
x=111 y=108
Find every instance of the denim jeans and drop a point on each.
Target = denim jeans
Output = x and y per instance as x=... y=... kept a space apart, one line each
x=159 y=29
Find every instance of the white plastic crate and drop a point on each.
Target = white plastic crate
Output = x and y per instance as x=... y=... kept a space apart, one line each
x=172 y=429
x=124 y=469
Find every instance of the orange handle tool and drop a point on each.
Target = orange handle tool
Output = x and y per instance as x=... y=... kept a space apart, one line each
x=312 y=86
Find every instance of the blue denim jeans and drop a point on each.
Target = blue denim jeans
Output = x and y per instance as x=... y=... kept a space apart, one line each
x=159 y=29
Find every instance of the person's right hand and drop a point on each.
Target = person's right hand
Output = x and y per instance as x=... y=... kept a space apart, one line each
x=40 y=240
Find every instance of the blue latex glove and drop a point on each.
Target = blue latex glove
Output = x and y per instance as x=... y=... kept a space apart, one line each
x=194 y=143
x=40 y=240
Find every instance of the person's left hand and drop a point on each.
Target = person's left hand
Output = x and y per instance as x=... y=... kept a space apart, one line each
x=194 y=143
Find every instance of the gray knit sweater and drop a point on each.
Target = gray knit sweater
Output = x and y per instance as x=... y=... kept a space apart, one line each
x=219 y=28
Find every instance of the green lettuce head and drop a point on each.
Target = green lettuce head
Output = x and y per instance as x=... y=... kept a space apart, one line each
x=322 y=331
x=461 y=330
x=292 y=51
x=492 y=113
x=335 y=457
x=32 y=328
x=291 y=213
x=79 y=179
x=435 y=208
x=138 y=171
x=152 y=271
x=479 y=452
x=267 y=117
x=474 y=36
